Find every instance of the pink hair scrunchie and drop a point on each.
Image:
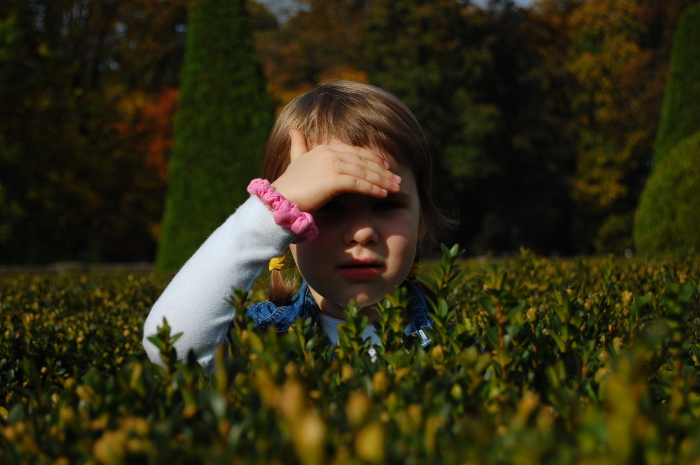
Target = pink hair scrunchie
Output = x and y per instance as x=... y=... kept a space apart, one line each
x=286 y=213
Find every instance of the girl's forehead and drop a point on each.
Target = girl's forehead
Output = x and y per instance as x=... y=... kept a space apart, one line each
x=395 y=163
x=402 y=170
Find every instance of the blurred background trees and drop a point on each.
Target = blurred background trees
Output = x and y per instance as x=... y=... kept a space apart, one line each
x=619 y=57
x=543 y=119
x=80 y=84
x=490 y=89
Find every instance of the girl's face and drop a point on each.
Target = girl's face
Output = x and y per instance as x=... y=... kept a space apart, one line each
x=365 y=246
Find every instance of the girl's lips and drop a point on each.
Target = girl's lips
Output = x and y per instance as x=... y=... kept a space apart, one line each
x=359 y=273
x=357 y=270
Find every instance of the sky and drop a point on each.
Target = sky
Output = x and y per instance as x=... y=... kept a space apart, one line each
x=517 y=2
x=284 y=8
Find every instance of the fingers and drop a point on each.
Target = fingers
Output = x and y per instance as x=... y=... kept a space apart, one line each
x=355 y=185
x=298 y=144
x=365 y=154
x=360 y=171
x=372 y=173
x=332 y=169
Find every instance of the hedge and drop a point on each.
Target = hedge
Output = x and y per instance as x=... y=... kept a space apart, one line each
x=533 y=361
x=668 y=218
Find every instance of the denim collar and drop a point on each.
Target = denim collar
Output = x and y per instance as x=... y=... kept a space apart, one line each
x=303 y=305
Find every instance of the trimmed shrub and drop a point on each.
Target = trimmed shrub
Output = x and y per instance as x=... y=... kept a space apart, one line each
x=223 y=119
x=668 y=217
x=533 y=361
x=680 y=116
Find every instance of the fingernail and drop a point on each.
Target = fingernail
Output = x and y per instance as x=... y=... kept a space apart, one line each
x=384 y=191
x=386 y=164
x=395 y=186
x=397 y=177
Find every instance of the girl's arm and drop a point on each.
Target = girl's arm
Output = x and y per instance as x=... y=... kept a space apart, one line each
x=195 y=302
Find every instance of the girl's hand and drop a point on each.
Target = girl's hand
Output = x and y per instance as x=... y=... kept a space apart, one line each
x=316 y=176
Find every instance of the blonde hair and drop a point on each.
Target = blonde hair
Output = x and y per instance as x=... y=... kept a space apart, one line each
x=361 y=115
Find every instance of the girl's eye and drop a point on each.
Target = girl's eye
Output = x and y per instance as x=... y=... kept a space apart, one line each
x=332 y=206
x=387 y=205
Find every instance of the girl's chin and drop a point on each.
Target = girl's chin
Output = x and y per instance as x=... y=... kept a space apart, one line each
x=366 y=300
x=362 y=297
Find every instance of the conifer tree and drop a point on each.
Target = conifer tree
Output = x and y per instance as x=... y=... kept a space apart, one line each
x=680 y=116
x=224 y=116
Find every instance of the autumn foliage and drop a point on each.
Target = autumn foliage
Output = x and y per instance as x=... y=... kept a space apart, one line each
x=543 y=119
x=157 y=121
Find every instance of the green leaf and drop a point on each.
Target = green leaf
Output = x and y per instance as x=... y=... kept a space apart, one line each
x=560 y=342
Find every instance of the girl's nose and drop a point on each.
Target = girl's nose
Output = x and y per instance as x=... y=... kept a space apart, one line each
x=361 y=232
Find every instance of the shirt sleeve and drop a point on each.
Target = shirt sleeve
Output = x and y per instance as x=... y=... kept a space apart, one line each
x=195 y=302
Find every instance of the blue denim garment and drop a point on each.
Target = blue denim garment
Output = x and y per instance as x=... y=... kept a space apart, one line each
x=303 y=305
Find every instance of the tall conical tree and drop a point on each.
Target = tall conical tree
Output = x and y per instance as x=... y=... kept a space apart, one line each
x=680 y=115
x=224 y=116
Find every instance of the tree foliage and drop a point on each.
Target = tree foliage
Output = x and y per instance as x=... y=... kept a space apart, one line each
x=73 y=76
x=490 y=90
x=323 y=41
x=618 y=54
x=223 y=119
x=543 y=120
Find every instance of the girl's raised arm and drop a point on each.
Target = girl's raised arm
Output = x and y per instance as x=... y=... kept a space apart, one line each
x=195 y=303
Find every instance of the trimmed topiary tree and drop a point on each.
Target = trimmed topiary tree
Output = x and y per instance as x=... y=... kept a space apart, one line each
x=668 y=217
x=680 y=115
x=223 y=119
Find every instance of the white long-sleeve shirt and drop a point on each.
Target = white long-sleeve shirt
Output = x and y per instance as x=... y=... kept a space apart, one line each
x=195 y=303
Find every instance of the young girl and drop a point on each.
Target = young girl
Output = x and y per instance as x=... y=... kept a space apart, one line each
x=347 y=187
